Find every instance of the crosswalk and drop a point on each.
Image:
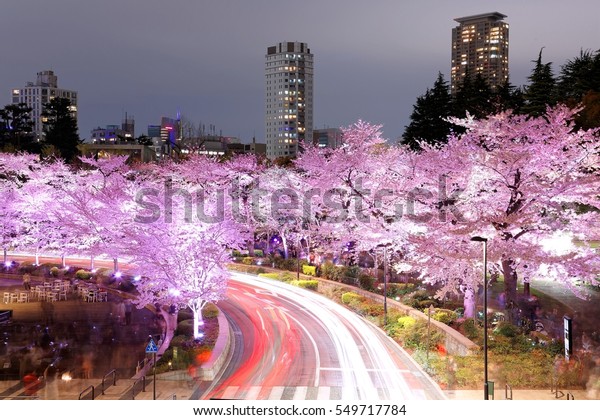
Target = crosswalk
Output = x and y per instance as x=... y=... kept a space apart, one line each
x=310 y=393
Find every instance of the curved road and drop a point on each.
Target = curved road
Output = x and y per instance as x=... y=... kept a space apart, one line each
x=291 y=343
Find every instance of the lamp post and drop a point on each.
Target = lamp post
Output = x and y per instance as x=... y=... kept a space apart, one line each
x=486 y=395
x=385 y=275
x=298 y=259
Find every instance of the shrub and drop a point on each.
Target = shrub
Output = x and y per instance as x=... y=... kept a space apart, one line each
x=332 y=272
x=309 y=270
x=371 y=309
x=54 y=271
x=235 y=253
x=420 y=299
x=350 y=274
x=210 y=311
x=366 y=281
x=260 y=270
x=349 y=297
x=27 y=267
x=181 y=341
x=185 y=327
x=104 y=276
x=184 y=314
x=290 y=264
x=259 y=253
x=306 y=284
x=406 y=321
x=125 y=284
x=248 y=260
x=443 y=315
x=470 y=329
x=506 y=329
x=281 y=276
x=399 y=289
x=273 y=276
x=83 y=274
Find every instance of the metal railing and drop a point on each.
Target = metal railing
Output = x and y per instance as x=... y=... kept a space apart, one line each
x=554 y=389
x=143 y=379
x=87 y=389
x=508 y=392
x=114 y=376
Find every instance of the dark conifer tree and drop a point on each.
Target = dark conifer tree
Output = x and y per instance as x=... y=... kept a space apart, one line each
x=540 y=93
x=428 y=119
x=60 y=128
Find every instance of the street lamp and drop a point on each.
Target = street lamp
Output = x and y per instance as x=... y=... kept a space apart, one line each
x=385 y=275
x=486 y=395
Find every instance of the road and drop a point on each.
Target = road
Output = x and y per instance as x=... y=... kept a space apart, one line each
x=292 y=343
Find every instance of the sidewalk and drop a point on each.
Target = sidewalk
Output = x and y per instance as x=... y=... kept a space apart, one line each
x=521 y=394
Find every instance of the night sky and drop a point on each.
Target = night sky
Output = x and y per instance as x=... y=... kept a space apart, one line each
x=152 y=58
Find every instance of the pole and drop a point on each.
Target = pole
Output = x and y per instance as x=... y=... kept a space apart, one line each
x=486 y=395
x=428 y=337
x=385 y=274
x=298 y=260
x=115 y=265
x=154 y=370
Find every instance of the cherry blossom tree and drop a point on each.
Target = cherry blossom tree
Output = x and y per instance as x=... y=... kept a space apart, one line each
x=181 y=254
x=94 y=206
x=519 y=182
x=358 y=193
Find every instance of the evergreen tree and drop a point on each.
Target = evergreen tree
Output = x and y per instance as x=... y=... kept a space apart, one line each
x=473 y=96
x=60 y=128
x=507 y=97
x=540 y=93
x=16 y=129
x=579 y=76
x=428 y=119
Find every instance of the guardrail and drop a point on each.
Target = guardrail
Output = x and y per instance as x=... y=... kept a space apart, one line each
x=114 y=375
x=143 y=379
x=87 y=389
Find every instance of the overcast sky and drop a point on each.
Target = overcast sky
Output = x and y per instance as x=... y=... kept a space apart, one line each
x=151 y=58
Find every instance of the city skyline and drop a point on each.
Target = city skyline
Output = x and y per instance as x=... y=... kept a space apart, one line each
x=207 y=60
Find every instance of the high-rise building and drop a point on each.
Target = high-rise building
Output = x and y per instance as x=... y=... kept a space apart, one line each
x=289 y=98
x=43 y=91
x=480 y=45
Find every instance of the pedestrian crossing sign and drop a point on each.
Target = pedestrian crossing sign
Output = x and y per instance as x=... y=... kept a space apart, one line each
x=151 y=347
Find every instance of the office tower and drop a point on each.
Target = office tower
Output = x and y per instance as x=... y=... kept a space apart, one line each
x=480 y=45
x=289 y=98
x=42 y=92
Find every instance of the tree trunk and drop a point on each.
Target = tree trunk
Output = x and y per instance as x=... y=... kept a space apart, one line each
x=250 y=247
x=469 y=303
x=198 y=321
x=510 y=289
x=285 y=247
x=170 y=327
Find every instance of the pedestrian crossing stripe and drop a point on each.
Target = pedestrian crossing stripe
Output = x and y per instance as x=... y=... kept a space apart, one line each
x=151 y=347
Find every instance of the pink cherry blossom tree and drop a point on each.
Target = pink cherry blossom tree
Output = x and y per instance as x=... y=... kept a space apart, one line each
x=519 y=182
x=181 y=253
